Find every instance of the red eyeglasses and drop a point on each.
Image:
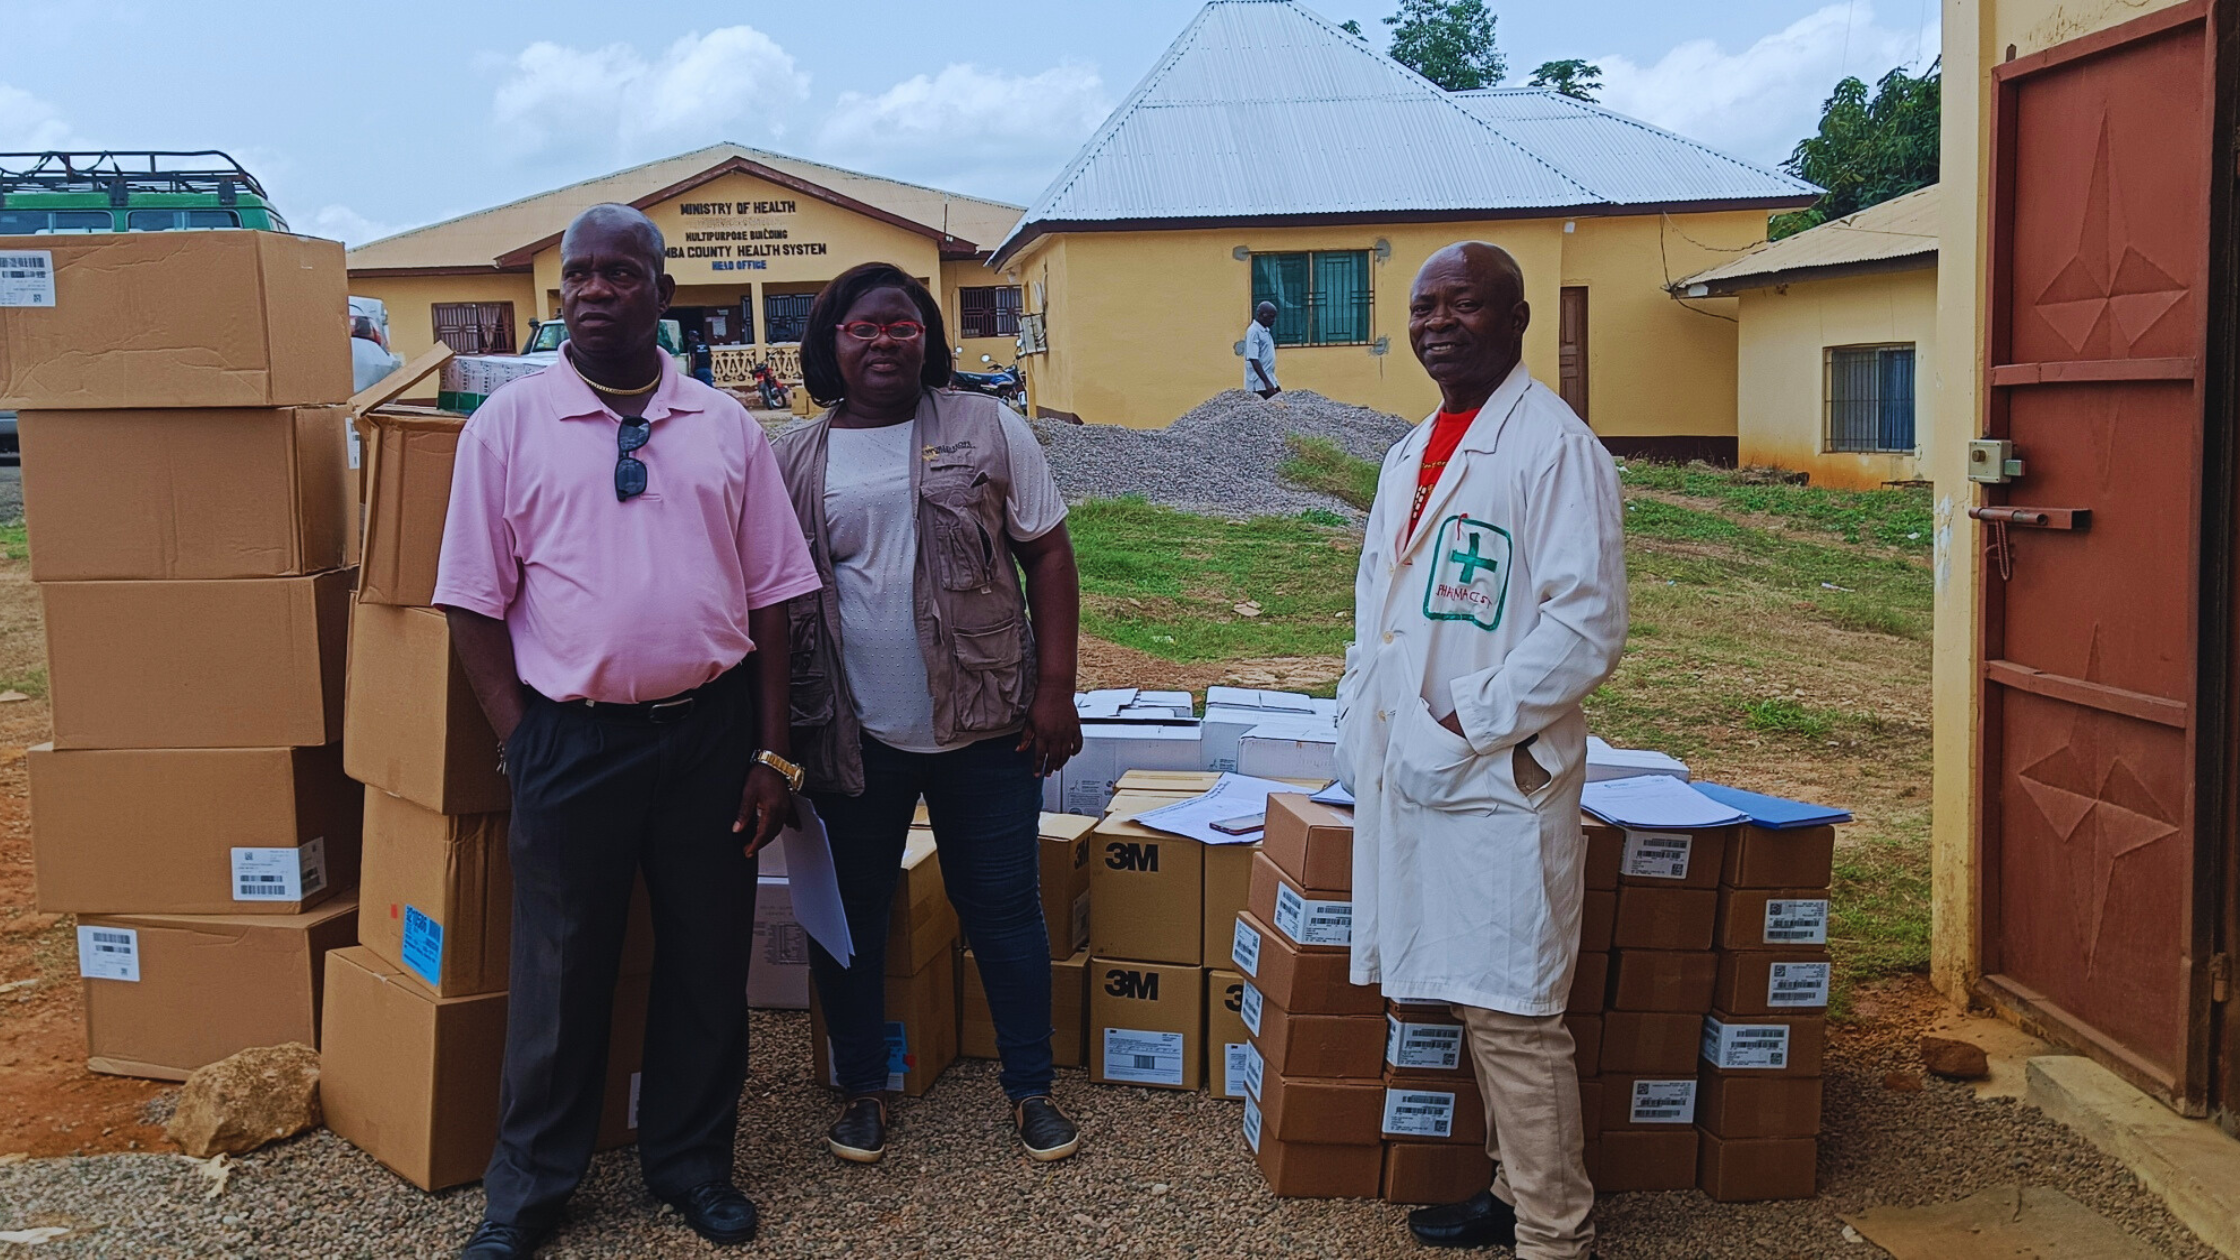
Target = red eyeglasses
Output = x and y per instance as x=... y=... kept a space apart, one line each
x=869 y=330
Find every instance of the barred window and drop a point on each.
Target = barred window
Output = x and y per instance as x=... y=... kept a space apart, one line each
x=786 y=315
x=1870 y=398
x=474 y=327
x=1321 y=298
x=992 y=311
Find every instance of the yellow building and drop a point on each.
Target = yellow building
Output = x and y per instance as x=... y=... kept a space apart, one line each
x=751 y=238
x=1836 y=344
x=1271 y=155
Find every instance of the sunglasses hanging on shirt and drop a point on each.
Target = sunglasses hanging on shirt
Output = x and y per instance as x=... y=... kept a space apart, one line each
x=629 y=470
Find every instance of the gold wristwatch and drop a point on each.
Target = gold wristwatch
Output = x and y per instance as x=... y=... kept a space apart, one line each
x=787 y=770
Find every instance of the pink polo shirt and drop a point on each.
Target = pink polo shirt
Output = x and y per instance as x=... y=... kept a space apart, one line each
x=606 y=600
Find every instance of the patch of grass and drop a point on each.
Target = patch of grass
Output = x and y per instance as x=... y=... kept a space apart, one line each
x=1323 y=516
x=1320 y=464
x=1899 y=517
x=15 y=542
x=1783 y=715
x=30 y=682
x=1878 y=911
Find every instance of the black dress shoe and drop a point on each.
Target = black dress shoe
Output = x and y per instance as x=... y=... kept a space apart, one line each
x=494 y=1241
x=1047 y=1133
x=860 y=1134
x=717 y=1212
x=1478 y=1221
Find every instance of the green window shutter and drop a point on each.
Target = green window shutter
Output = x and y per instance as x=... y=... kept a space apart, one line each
x=1282 y=279
x=1341 y=297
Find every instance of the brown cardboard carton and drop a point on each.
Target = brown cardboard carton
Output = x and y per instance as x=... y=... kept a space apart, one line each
x=1590 y=983
x=1772 y=981
x=1665 y=918
x=413 y=726
x=167 y=993
x=1651 y=1042
x=1065 y=882
x=921 y=1028
x=1434 y=1172
x=1313 y=920
x=1606 y=847
x=1586 y=1043
x=1598 y=917
x=1765 y=1045
x=976 y=1028
x=1147 y=1023
x=1302 y=1170
x=1772 y=918
x=179 y=319
x=1174 y=785
x=249 y=663
x=1632 y=1159
x=1425 y=1039
x=1146 y=889
x=1300 y=981
x=437 y=895
x=1319 y=1110
x=185 y=495
x=1663 y=980
x=192 y=831
x=922 y=923
x=1315 y=1045
x=1636 y=1101
x=1739 y=1105
x=1590 y=1107
x=1752 y=1170
x=1227 y=1038
x=1422 y=1107
x=1671 y=859
x=1310 y=842
x=1802 y=858
x=408 y=493
x=1228 y=887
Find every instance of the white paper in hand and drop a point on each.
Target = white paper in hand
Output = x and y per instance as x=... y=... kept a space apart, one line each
x=815 y=884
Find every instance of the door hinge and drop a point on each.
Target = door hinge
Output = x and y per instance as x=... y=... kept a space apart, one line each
x=2220 y=977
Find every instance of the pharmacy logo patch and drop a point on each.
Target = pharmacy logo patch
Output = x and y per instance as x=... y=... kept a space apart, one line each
x=1469 y=578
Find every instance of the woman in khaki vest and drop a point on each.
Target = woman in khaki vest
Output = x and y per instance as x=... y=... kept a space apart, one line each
x=923 y=667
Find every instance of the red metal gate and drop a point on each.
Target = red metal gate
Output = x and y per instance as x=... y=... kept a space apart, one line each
x=2096 y=917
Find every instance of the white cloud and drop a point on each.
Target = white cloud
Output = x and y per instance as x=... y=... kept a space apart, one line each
x=982 y=131
x=1757 y=103
x=26 y=122
x=341 y=223
x=558 y=101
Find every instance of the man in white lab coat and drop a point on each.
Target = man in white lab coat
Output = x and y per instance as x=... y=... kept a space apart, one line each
x=1491 y=599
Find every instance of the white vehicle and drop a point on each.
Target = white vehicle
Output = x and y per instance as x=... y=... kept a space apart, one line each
x=470 y=378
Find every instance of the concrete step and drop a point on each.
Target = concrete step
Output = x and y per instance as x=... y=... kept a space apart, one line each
x=2192 y=1164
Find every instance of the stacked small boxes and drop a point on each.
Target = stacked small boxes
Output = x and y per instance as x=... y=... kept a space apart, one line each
x=1758 y=1113
x=922 y=964
x=1065 y=854
x=186 y=486
x=1146 y=976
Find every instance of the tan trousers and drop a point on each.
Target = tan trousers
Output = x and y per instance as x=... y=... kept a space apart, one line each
x=1533 y=1129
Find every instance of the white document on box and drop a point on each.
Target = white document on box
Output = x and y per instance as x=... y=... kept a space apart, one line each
x=1232 y=796
x=1335 y=794
x=1654 y=800
x=815 y=884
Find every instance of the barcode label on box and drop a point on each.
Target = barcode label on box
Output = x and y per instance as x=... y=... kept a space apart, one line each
x=1244 y=949
x=785 y=945
x=1739 y=1047
x=1663 y=1102
x=1657 y=854
x=1797 y=984
x=1234 y=1055
x=1255 y=1071
x=1418 y=1113
x=280 y=874
x=27 y=278
x=1137 y=1057
x=1252 y=1125
x=1797 y=922
x=1409 y=1045
x=1313 y=922
x=1248 y=1007
x=357 y=455
x=1081 y=921
x=109 y=953
x=423 y=946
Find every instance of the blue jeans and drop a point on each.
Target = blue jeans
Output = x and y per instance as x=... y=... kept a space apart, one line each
x=706 y=376
x=986 y=806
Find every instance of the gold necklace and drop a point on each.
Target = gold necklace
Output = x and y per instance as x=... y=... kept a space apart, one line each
x=610 y=390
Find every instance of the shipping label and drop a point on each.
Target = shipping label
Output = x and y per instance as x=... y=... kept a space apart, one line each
x=1248 y=1007
x=1080 y=936
x=423 y=946
x=1252 y=1125
x=1138 y=1057
x=1797 y=922
x=109 y=953
x=357 y=446
x=1244 y=949
x=1234 y=1056
x=899 y=1060
x=785 y=945
x=27 y=277
x=1255 y=1071
x=280 y=874
x=1408 y=1045
x=1663 y=1102
x=1418 y=1113
x=1313 y=922
x=1657 y=854
x=1797 y=984
x=1736 y=1047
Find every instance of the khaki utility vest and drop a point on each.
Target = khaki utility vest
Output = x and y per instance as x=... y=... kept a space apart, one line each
x=971 y=608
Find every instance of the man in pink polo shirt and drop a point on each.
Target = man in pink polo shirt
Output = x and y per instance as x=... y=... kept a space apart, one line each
x=619 y=545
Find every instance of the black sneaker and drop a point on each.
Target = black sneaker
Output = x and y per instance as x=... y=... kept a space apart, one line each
x=495 y=1241
x=1047 y=1133
x=717 y=1212
x=860 y=1134
x=1478 y=1221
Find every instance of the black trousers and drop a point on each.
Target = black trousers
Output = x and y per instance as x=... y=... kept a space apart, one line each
x=598 y=798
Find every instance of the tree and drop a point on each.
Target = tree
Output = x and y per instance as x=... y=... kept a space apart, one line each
x=1352 y=27
x=1449 y=42
x=1867 y=150
x=1571 y=77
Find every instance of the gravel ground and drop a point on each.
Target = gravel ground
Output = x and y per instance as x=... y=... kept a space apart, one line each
x=1160 y=1174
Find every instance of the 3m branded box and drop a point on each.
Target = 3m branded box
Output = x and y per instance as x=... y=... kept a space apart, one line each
x=1442 y=1108
x=1663 y=980
x=1226 y=1035
x=1425 y=1040
x=1302 y=982
x=1671 y=859
x=249 y=663
x=437 y=895
x=1311 y=919
x=1765 y=1045
x=192 y=831
x=1752 y=1170
x=922 y=924
x=1146 y=889
x=185 y=495
x=1665 y=918
x=1146 y=1023
x=1228 y=889
x=1772 y=981
x=921 y=1028
x=413 y=726
x=1800 y=858
x=408 y=493
x=174 y=319
x=1586 y=1043
x=1069 y=997
x=1638 y=1159
x=1317 y=1110
x=1434 y=1172
x=1772 y=918
x=1313 y=1045
x=1310 y=843
x=1066 y=852
x=1311 y=1170
x=168 y=993
x=778 y=977
x=1651 y=1042
x=1598 y=918
x=1590 y=983
x=1648 y=1102
x=1750 y=1105
x=1111 y=749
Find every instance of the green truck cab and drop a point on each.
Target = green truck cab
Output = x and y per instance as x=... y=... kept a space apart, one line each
x=53 y=191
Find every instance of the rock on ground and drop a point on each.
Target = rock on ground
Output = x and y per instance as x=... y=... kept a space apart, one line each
x=1954 y=1059
x=245 y=1100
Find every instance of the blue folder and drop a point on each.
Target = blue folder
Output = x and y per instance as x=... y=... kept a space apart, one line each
x=1774 y=813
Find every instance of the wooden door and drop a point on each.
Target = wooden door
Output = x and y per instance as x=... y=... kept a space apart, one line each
x=1571 y=342
x=2096 y=905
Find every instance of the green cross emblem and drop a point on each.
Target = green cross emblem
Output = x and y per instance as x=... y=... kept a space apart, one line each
x=1471 y=561
x=1469 y=580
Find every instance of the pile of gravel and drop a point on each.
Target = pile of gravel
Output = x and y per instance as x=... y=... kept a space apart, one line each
x=1219 y=459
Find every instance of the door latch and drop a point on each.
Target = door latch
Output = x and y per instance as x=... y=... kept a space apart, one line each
x=1991 y=462
x=2220 y=977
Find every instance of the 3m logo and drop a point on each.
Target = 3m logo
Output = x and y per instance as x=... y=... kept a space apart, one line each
x=1132 y=856
x=1233 y=997
x=1134 y=985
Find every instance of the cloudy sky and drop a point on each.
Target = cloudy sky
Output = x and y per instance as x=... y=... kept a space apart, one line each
x=368 y=118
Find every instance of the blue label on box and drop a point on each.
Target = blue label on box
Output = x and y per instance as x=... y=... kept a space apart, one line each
x=423 y=946
x=898 y=1048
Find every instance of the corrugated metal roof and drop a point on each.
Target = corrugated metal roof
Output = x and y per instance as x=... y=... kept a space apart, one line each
x=1264 y=108
x=1892 y=232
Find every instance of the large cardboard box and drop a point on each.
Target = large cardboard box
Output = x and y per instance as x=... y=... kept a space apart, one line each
x=1425 y=1039
x=1302 y=982
x=1740 y=1105
x=1434 y=1172
x=778 y=975
x=1765 y=1045
x=921 y=1028
x=1065 y=852
x=1111 y=749
x=922 y=924
x=1069 y=1000
x=1633 y=1159
x=1753 y=1170
x=1665 y=918
x=1146 y=889
x=408 y=493
x=1147 y=1023
x=1227 y=1038
x=1772 y=981
x=1590 y=983
x=1317 y=1110
x=1663 y=980
x=1802 y=858
x=167 y=993
x=1651 y=1042
x=1586 y=1043
x=175 y=319
x=192 y=831
x=1310 y=1170
x=413 y=725
x=438 y=895
x=1598 y=918
x=1434 y=1108
x=1309 y=918
x=1311 y=843
x=1772 y=918
x=1606 y=848
x=249 y=663
x=1313 y=1045
x=185 y=495
x=1631 y=1101
x=1590 y=1107
x=1670 y=859
x=1228 y=888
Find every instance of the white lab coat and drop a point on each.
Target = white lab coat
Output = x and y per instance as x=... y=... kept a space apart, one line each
x=1506 y=607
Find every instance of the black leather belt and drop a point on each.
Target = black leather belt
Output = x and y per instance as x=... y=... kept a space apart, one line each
x=655 y=712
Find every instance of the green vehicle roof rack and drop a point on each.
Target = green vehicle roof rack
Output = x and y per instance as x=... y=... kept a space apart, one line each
x=121 y=172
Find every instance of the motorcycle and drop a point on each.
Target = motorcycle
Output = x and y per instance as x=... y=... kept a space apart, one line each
x=775 y=395
x=1006 y=384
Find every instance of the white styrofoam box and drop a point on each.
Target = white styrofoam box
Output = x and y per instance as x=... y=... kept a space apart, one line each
x=1220 y=729
x=1111 y=749
x=1054 y=793
x=1289 y=750
x=1605 y=762
x=1179 y=701
x=1285 y=702
x=778 y=975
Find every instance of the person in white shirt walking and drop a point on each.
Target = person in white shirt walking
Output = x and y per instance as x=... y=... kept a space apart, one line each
x=1260 y=352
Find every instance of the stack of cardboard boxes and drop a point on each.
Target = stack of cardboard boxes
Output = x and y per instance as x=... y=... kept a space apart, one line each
x=186 y=486
x=922 y=966
x=1147 y=937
